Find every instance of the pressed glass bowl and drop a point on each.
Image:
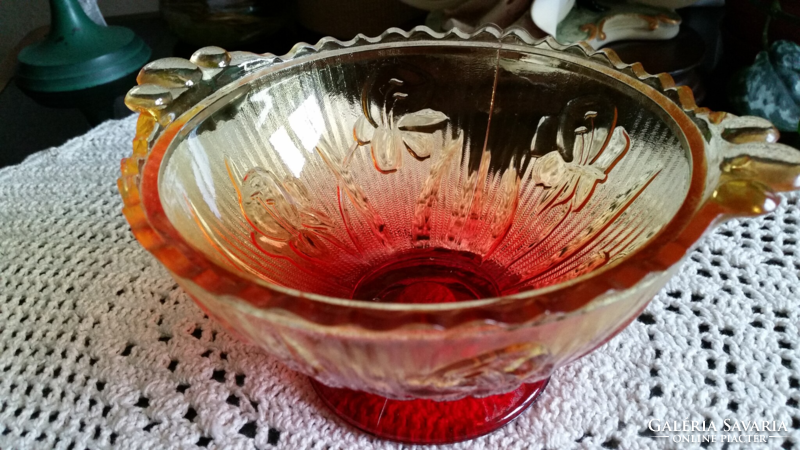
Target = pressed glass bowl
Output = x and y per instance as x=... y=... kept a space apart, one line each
x=428 y=225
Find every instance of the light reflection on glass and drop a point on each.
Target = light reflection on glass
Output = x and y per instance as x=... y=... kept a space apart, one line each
x=201 y=169
x=265 y=99
x=307 y=123
x=288 y=152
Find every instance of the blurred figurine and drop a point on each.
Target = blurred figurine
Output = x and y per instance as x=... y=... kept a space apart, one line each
x=468 y=15
x=598 y=22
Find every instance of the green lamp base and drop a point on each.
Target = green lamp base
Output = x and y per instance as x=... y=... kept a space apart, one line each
x=79 y=54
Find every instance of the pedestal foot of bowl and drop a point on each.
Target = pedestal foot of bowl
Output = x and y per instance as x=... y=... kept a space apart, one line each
x=426 y=421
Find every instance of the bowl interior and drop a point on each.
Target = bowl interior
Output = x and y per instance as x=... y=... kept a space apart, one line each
x=424 y=173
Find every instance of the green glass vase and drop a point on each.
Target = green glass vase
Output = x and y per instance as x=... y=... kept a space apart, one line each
x=78 y=53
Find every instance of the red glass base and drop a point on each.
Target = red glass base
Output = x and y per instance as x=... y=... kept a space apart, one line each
x=428 y=421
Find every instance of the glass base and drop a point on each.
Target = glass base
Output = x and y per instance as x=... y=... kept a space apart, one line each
x=427 y=421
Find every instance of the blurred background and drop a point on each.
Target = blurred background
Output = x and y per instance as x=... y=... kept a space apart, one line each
x=714 y=42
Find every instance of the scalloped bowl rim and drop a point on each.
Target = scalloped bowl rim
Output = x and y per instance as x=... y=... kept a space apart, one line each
x=302 y=53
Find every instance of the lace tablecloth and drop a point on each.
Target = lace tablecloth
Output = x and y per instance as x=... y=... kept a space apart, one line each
x=100 y=349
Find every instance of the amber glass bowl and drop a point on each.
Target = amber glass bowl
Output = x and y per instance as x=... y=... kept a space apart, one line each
x=426 y=224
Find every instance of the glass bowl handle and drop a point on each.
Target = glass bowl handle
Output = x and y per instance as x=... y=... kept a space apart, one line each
x=748 y=166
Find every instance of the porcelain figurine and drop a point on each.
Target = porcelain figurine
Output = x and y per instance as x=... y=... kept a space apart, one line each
x=601 y=22
x=598 y=22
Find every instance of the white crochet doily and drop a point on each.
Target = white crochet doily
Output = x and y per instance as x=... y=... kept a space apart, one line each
x=100 y=349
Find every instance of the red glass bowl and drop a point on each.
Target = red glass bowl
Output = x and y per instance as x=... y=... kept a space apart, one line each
x=428 y=225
